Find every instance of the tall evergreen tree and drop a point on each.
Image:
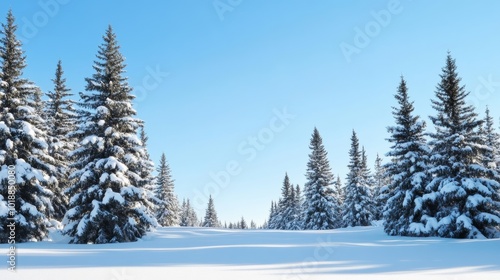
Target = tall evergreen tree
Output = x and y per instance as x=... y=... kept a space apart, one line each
x=468 y=191
x=320 y=206
x=358 y=207
x=284 y=215
x=188 y=216
x=168 y=208
x=339 y=187
x=107 y=204
x=144 y=139
x=146 y=180
x=146 y=164
x=183 y=216
x=405 y=212
x=491 y=158
x=271 y=224
x=380 y=185
x=39 y=105
x=253 y=225
x=61 y=117
x=23 y=146
x=243 y=224
x=366 y=173
x=296 y=221
x=380 y=176
x=211 y=219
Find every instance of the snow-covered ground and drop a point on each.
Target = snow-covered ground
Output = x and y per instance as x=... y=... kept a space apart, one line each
x=200 y=253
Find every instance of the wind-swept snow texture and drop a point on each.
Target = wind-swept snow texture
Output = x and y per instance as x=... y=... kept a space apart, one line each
x=207 y=253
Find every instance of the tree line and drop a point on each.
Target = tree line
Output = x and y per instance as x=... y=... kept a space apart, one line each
x=443 y=183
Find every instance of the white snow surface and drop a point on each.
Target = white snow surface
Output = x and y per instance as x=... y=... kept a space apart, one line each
x=4 y=209
x=3 y=127
x=110 y=194
x=203 y=253
x=28 y=129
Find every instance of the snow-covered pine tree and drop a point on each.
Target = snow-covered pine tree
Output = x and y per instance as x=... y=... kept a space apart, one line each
x=264 y=225
x=144 y=140
x=380 y=184
x=339 y=187
x=61 y=121
x=23 y=147
x=366 y=173
x=192 y=217
x=39 y=105
x=167 y=211
x=321 y=203
x=243 y=224
x=183 y=216
x=467 y=190
x=296 y=211
x=380 y=175
x=188 y=217
x=147 y=165
x=284 y=215
x=211 y=219
x=272 y=216
x=107 y=204
x=405 y=212
x=369 y=181
x=291 y=213
x=491 y=158
x=288 y=217
x=253 y=225
x=358 y=207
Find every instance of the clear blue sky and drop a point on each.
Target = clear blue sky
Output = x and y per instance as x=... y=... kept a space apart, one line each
x=229 y=69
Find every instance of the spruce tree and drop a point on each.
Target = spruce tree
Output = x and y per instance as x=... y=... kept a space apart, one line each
x=321 y=208
x=193 y=217
x=167 y=212
x=23 y=147
x=146 y=164
x=406 y=212
x=61 y=117
x=183 y=219
x=253 y=225
x=296 y=222
x=468 y=191
x=272 y=216
x=107 y=203
x=380 y=176
x=284 y=215
x=243 y=224
x=146 y=180
x=491 y=157
x=188 y=216
x=340 y=190
x=366 y=173
x=291 y=212
x=380 y=185
x=211 y=219
x=358 y=207
x=263 y=226
x=39 y=105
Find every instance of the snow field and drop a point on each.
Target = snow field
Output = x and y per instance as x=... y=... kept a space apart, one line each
x=202 y=253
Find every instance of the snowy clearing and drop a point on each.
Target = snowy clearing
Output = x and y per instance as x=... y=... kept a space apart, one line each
x=201 y=253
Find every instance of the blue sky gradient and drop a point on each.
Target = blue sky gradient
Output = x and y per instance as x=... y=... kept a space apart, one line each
x=210 y=76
